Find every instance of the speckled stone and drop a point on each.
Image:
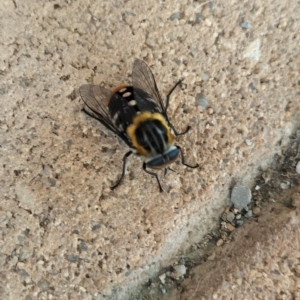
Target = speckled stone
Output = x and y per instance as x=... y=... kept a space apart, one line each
x=240 y=196
x=64 y=233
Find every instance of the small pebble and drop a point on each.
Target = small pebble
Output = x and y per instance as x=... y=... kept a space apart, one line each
x=249 y=214
x=256 y=210
x=223 y=225
x=207 y=22
x=248 y=142
x=239 y=223
x=204 y=77
x=244 y=130
x=180 y=271
x=43 y=285
x=219 y=242
x=240 y=196
x=210 y=111
x=175 y=16
x=79 y=208
x=230 y=227
x=163 y=290
x=238 y=216
x=186 y=197
x=162 y=278
x=201 y=100
x=235 y=211
x=285 y=185
x=230 y=217
x=298 y=167
x=245 y=25
x=253 y=88
x=83 y=247
x=257 y=187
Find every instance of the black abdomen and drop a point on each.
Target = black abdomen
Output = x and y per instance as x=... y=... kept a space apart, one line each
x=152 y=135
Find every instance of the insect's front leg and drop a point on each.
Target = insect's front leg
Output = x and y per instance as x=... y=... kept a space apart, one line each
x=180 y=133
x=183 y=159
x=153 y=174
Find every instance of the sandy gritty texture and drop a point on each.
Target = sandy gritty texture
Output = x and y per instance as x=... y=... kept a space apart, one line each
x=64 y=234
x=262 y=263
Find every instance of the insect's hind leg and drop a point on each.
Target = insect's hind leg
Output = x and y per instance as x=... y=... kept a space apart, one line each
x=167 y=105
x=153 y=174
x=123 y=170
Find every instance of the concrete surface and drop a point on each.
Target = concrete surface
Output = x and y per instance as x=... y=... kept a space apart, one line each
x=64 y=234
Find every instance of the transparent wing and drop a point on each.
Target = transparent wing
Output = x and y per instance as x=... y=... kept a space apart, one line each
x=96 y=101
x=143 y=82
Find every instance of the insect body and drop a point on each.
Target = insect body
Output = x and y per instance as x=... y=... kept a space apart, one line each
x=138 y=115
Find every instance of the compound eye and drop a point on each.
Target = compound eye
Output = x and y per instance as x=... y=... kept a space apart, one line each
x=163 y=160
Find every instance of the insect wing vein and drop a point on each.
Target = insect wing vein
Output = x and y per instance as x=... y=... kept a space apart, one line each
x=96 y=100
x=143 y=82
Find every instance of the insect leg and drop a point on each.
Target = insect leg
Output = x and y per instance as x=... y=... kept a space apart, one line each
x=179 y=133
x=166 y=170
x=153 y=174
x=182 y=159
x=123 y=170
x=171 y=91
x=167 y=105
